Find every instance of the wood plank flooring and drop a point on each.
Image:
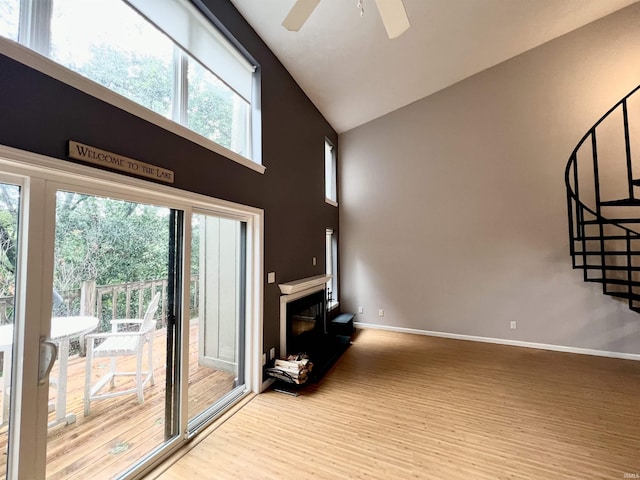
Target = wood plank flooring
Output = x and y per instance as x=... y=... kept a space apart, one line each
x=402 y=406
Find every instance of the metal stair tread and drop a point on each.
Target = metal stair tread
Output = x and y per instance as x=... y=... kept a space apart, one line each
x=607 y=252
x=608 y=267
x=605 y=221
x=592 y=238
x=614 y=281
x=622 y=202
x=626 y=295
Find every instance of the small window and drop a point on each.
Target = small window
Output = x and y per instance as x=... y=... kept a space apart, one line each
x=331 y=195
x=332 y=268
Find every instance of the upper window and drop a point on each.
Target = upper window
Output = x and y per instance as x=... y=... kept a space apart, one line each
x=330 y=190
x=164 y=55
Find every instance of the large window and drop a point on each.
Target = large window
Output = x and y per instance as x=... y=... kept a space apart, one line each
x=164 y=55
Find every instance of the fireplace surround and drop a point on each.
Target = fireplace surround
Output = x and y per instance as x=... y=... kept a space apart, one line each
x=294 y=293
x=303 y=323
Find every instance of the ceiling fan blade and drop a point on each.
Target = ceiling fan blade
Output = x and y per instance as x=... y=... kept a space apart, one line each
x=299 y=14
x=394 y=17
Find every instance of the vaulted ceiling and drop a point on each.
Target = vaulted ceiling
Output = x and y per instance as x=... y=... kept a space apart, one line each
x=353 y=73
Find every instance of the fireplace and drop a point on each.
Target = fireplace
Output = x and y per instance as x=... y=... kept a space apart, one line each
x=303 y=323
x=305 y=300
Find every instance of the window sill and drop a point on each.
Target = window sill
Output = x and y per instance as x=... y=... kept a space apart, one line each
x=44 y=65
x=332 y=306
x=331 y=202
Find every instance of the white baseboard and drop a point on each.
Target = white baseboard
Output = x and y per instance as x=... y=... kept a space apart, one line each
x=502 y=341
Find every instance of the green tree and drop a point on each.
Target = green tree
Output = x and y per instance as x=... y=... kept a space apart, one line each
x=210 y=110
x=145 y=79
x=9 y=16
x=109 y=241
x=9 y=205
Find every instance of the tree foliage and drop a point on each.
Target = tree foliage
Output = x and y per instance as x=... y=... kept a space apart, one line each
x=145 y=79
x=9 y=16
x=210 y=109
x=108 y=241
x=9 y=200
x=148 y=80
x=101 y=239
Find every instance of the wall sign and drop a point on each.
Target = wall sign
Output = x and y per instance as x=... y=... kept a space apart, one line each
x=86 y=153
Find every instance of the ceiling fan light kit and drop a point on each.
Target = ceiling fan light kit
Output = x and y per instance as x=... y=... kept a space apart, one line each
x=392 y=12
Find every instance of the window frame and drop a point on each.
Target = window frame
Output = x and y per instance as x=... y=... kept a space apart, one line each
x=38 y=174
x=32 y=49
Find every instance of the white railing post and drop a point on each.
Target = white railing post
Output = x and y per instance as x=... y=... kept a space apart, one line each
x=87 y=307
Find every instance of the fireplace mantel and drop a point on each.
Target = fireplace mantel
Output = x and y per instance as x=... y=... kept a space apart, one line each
x=296 y=286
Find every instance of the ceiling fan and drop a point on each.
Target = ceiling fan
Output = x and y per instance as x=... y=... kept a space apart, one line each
x=392 y=12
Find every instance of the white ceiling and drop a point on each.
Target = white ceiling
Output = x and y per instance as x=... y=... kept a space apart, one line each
x=353 y=73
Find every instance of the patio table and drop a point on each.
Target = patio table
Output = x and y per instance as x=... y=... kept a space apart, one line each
x=63 y=329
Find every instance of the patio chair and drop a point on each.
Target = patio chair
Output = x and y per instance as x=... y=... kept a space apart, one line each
x=120 y=343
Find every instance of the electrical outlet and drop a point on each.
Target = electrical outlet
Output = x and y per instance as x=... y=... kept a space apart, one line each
x=380 y=312
x=271 y=277
x=272 y=353
x=513 y=324
x=314 y=260
x=360 y=310
x=264 y=359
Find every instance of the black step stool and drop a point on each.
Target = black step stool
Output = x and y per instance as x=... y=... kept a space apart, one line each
x=343 y=324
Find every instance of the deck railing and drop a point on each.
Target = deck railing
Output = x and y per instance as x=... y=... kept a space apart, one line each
x=123 y=300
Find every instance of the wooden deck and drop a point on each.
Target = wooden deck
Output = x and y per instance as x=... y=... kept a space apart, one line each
x=119 y=431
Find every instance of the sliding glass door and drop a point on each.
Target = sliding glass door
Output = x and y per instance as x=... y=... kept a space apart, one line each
x=129 y=311
x=9 y=248
x=112 y=315
x=216 y=346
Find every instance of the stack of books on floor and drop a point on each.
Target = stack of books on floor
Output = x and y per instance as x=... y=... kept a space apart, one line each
x=293 y=369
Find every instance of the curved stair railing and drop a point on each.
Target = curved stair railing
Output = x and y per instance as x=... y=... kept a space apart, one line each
x=603 y=240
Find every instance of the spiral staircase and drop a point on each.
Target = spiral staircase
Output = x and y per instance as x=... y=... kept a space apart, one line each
x=603 y=202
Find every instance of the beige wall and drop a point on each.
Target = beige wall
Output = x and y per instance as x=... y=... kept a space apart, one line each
x=453 y=209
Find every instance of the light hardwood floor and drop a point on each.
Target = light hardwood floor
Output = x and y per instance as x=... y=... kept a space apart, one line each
x=404 y=406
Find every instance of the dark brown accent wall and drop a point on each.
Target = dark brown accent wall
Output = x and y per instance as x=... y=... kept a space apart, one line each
x=40 y=114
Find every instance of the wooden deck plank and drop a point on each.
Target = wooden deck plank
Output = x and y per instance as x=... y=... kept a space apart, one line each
x=119 y=431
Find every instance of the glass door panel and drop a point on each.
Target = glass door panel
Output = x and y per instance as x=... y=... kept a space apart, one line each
x=108 y=397
x=216 y=337
x=9 y=213
x=70 y=264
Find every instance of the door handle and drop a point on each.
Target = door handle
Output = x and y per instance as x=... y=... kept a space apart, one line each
x=48 y=354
